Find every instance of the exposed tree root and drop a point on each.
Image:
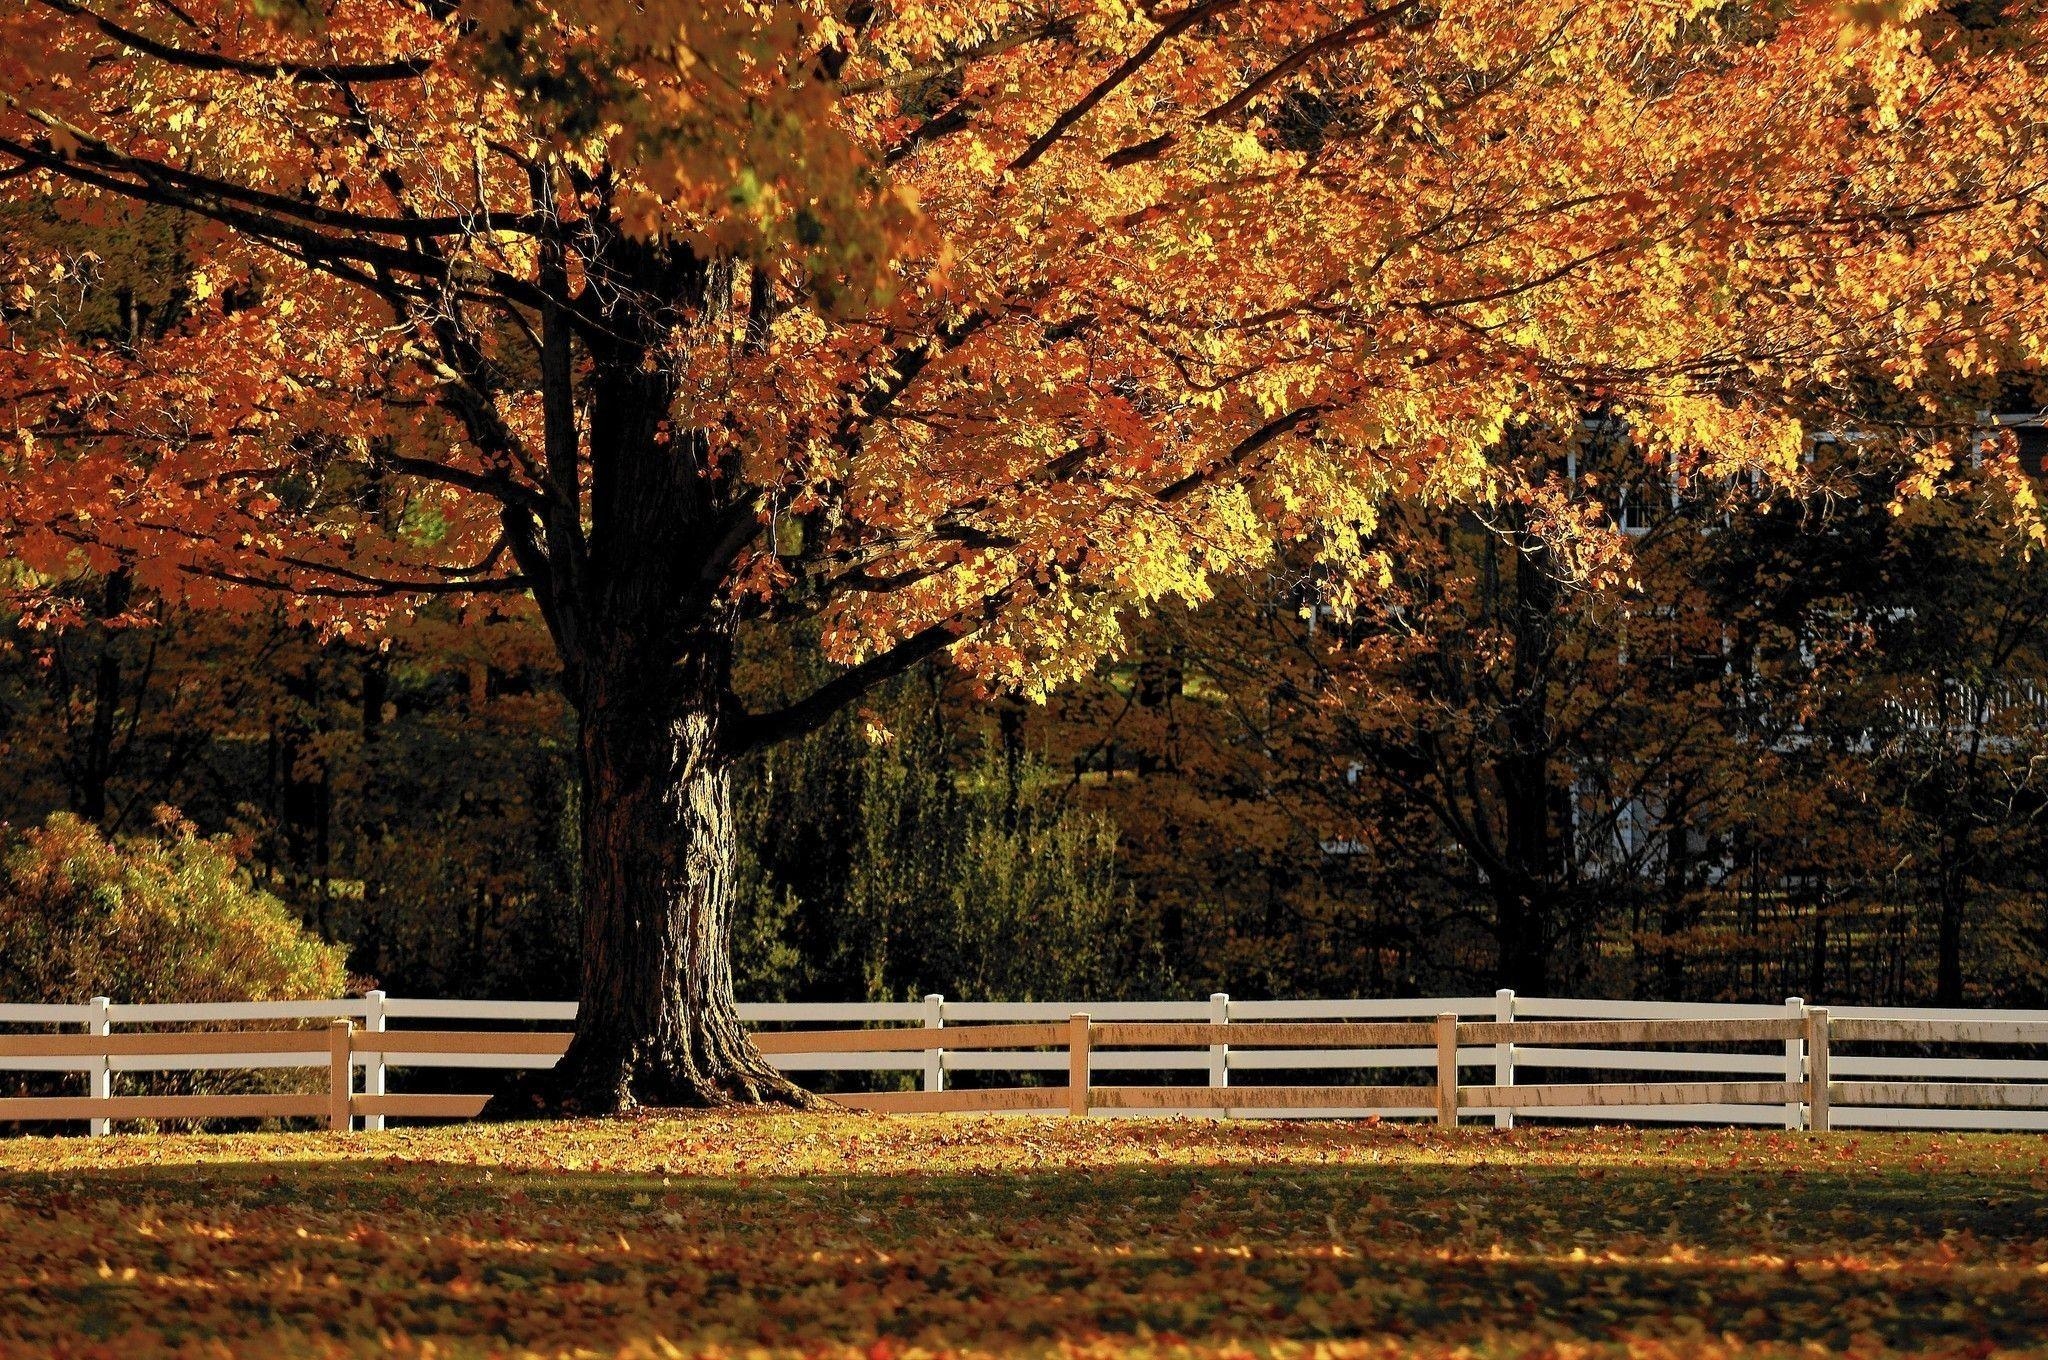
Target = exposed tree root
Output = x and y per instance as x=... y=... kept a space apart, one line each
x=727 y=1073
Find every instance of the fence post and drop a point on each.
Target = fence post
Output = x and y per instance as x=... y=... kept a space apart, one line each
x=1504 y=1054
x=934 y=1058
x=1447 y=1071
x=373 y=1065
x=1795 y=1058
x=1219 y=1054
x=1817 y=1070
x=1077 y=1064
x=340 y=1073
x=100 y=1079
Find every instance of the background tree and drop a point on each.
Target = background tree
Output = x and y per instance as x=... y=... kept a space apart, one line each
x=1489 y=746
x=906 y=847
x=1891 y=658
x=958 y=327
x=1616 y=735
x=1772 y=655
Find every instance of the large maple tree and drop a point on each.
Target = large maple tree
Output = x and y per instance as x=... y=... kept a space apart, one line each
x=962 y=324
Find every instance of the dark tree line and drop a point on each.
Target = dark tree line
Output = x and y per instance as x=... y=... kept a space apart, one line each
x=1767 y=740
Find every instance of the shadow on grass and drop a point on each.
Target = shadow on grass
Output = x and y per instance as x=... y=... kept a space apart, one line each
x=281 y=1258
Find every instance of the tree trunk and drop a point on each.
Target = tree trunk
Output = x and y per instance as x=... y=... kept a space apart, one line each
x=1523 y=961
x=657 y=1023
x=1948 y=962
x=96 y=765
x=630 y=590
x=1526 y=894
x=1679 y=913
x=1817 y=973
x=96 y=769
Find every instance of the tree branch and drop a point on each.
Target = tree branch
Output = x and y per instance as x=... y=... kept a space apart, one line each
x=103 y=155
x=996 y=46
x=370 y=588
x=1241 y=452
x=754 y=730
x=497 y=488
x=404 y=68
x=1171 y=29
x=902 y=371
x=305 y=242
x=1364 y=28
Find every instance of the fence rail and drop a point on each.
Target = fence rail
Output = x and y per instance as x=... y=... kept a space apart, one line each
x=1668 y=1061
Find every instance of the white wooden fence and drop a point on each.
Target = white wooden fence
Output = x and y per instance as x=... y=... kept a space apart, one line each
x=1755 y=1064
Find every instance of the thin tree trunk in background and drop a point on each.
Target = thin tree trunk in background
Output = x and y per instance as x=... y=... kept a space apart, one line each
x=376 y=678
x=1527 y=903
x=306 y=795
x=1817 y=972
x=1948 y=968
x=1954 y=870
x=1524 y=957
x=367 y=955
x=1678 y=914
x=95 y=763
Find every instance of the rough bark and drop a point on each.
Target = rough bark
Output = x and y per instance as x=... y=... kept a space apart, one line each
x=630 y=596
x=657 y=1023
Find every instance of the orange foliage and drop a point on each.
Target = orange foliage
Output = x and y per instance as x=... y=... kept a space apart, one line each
x=959 y=325
x=1006 y=314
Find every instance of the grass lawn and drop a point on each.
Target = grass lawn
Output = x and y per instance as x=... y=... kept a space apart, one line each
x=885 y=1239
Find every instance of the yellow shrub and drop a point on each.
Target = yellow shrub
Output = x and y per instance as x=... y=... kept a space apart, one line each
x=157 y=918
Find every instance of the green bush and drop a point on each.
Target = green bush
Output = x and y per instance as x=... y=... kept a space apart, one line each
x=168 y=917
x=886 y=856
